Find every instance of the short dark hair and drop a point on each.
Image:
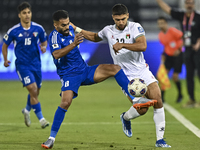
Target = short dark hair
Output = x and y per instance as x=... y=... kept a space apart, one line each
x=23 y=6
x=119 y=9
x=60 y=14
x=162 y=18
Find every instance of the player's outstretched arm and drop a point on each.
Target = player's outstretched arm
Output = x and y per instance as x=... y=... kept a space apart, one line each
x=164 y=6
x=91 y=36
x=5 y=54
x=64 y=51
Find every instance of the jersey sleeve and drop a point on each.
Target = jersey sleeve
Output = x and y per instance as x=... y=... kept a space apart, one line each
x=54 y=42
x=43 y=35
x=177 y=14
x=102 y=33
x=8 y=37
x=137 y=30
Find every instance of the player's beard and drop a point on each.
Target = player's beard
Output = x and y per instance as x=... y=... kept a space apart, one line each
x=121 y=27
x=64 y=32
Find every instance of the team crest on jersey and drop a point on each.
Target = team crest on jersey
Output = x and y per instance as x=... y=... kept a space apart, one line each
x=140 y=29
x=6 y=37
x=35 y=34
x=128 y=36
x=112 y=37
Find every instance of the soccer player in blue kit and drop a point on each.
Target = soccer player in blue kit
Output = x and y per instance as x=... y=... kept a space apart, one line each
x=74 y=72
x=25 y=36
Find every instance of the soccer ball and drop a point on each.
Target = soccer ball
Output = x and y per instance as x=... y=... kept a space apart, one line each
x=137 y=87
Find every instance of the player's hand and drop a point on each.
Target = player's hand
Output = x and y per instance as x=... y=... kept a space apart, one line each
x=43 y=48
x=163 y=58
x=6 y=63
x=196 y=46
x=117 y=46
x=177 y=52
x=73 y=26
x=78 y=38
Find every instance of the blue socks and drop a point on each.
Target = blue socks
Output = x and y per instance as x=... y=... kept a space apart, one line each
x=28 y=105
x=58 y=119
x=123 y=81
x=37 y=109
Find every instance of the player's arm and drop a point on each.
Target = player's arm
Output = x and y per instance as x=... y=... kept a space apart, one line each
x=140 y=45
x=164 y=6
x=197 y=45
x=43 y=46
x=64 y=51
x=5 y=54
x=91 y=36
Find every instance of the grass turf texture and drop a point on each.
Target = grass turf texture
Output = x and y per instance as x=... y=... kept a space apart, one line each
x=92 y=122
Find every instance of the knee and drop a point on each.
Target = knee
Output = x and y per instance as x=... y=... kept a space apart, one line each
x=142 y=111
x=175 y=77
x=65 y=103
x=33 y=92
x=159 y=103
x=116 y=68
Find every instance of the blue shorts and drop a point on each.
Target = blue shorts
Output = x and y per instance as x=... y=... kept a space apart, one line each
x=73 y=83
x=28 y=76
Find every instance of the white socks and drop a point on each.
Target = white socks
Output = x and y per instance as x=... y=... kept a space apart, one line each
x=52 y=138
x=131 y=114
x=159 y=119
x=26 y=111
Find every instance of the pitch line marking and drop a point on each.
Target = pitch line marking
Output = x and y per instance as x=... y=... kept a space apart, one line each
x=182 y=119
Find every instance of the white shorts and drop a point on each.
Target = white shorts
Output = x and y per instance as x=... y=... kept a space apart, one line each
x=144 y=74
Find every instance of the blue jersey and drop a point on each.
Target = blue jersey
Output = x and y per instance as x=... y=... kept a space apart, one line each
x=26 y=45
x=70 y=64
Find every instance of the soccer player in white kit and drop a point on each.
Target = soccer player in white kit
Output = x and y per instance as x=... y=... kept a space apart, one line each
x=127 y=41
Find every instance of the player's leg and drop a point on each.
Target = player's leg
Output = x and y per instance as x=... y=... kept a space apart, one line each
x=69 y=91
x=24 y=78
x=177 y=82
x=190 y=69
x=32 y=80
x=59 y=116
x=159 y=114
x=35 y=104
x=197 y=64
x=177 y=65
x=168 y=63
x=104 y=71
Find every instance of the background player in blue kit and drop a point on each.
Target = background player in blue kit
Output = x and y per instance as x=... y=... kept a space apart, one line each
x=25 y=36
x=73 y=71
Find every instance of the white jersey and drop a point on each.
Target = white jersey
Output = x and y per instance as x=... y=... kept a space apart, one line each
x=131 y=62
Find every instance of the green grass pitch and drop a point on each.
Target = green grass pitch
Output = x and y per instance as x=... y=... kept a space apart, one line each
x=92 y=122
